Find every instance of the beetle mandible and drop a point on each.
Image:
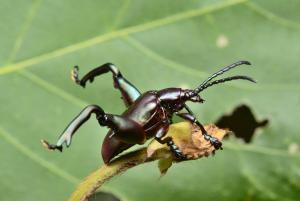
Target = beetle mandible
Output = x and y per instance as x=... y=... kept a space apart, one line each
x=148 y=115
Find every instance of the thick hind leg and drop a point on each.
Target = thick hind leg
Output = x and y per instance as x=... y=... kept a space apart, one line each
x=129 y=92
x=124 y=129
x=82 y=117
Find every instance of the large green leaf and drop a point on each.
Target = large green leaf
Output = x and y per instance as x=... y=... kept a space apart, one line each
x=156 y=44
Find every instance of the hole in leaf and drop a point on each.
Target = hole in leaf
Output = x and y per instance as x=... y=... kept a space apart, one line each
x=241 y=122
x=103 y=196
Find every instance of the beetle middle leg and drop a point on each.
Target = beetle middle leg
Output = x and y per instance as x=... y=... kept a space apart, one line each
x=169 y=141
x=191 y=118
x=129 y=92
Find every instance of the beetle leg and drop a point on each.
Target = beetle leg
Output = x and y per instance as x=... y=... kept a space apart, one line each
x=82 y=117
x=129 y=92
x=169 y=141
x=173 y=147
x=187 y=116
x=125 y=129
x=191 y=118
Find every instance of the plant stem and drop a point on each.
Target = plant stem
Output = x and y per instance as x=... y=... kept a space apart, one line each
x=106 y=172
x=186 y=136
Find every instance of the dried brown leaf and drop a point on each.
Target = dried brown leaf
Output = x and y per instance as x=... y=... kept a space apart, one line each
x=186 y=136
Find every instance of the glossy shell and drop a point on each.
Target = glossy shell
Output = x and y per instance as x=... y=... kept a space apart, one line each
x=147 y=112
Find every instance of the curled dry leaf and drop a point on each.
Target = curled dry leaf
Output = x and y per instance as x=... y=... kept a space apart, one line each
x=186 y=136
x=189 y=140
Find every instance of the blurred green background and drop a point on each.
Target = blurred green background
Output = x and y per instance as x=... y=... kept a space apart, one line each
x=156 y=44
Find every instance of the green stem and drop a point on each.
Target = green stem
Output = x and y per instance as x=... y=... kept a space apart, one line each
x=106 y=172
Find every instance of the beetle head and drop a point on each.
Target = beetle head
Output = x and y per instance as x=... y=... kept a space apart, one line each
x=173 y=99
x=190 y=95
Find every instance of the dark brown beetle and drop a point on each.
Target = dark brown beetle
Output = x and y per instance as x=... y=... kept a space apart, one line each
x=148 y=115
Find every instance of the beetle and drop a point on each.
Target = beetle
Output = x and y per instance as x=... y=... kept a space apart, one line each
x=148 y=115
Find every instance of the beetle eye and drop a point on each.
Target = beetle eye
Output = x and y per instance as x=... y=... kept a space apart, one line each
x=197 y=99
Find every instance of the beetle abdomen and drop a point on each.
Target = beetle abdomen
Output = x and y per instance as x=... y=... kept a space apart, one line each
x=112 y=146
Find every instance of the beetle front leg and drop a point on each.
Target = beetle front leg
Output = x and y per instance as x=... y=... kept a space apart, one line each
x=191 y=118
x=169 y=141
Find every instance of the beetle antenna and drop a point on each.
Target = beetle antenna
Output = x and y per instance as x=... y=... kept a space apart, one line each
x=220 y=72
x=237 y=77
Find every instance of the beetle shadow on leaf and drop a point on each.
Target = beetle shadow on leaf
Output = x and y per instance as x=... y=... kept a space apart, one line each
x=103 y=196
x=241 y=122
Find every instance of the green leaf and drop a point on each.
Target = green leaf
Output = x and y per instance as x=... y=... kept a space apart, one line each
x=156 y=44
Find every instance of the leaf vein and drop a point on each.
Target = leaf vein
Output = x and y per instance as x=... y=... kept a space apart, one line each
x=36 y=158
x=258 y=185
x=52 y=88
x=120 y=14
x=271 y=16
x=24 y=30
x=163 y=60
x=172 y=64
x=117 y=34
x=260 y=150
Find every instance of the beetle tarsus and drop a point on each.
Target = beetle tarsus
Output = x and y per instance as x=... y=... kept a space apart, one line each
x=176 y=151
x=214 y=141
x=173 y=147
x=192 y=118
x=49 y=146
x=75 y=76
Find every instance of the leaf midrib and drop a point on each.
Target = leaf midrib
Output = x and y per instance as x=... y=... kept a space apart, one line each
x=134 y=29
x=119 y=33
